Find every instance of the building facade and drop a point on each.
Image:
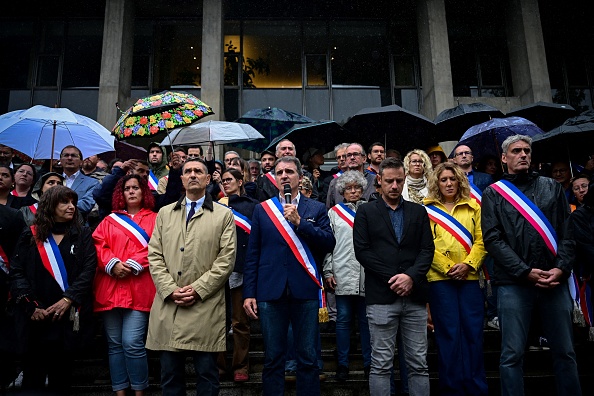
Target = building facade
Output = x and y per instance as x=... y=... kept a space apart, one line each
x=324 y=59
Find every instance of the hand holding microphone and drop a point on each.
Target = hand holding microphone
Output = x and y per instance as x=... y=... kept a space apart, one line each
x=290 y=210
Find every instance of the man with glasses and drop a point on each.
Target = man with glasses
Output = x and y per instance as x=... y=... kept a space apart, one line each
x=71 y=160
x=355 y=160
x=523 y=218
x=6 y=155
x=340 y=153
x=463 y=158
x=561 y=173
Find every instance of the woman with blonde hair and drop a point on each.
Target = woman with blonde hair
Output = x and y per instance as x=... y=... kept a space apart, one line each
x=417 y=166
x=455 y=295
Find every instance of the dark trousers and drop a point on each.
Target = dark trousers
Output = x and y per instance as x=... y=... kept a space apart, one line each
x=173 y=370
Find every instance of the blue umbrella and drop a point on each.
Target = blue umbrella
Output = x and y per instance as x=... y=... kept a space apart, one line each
x=486 y=138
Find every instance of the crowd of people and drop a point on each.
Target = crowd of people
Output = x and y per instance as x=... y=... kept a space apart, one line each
x=175 y=252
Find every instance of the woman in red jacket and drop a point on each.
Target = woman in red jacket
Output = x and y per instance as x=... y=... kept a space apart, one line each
x=124 y=289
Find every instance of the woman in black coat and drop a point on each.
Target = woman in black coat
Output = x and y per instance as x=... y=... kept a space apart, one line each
x=53 y=297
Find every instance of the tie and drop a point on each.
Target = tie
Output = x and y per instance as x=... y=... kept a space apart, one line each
x=192 y=211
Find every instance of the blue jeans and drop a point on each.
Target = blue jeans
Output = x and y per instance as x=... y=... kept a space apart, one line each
x=516 y=304
x=457 y=310
x=385 y=320
x=291 y=362
x=173 y=373
x=125 y=330
x=346 y=306
x=275 y=317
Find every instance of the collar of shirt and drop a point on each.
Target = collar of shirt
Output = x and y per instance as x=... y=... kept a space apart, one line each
x=70 y=179
x=199 y=204
x=397 y=207
x=470 y=176
x=295 y=202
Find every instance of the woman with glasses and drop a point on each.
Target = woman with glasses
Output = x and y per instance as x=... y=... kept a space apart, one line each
x=24 y=177
x=243 y=207
x=455 y=296
x=579 y=187
x=343 y=274
x=417 y=166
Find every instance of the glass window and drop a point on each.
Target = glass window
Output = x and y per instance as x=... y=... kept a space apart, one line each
x=141 y=61
x=316 y=68
x=16 y=39
x=47 y=71
x=404 y=71
x=178 y=54
x=232 y=43
x=271 y=54
x=359 y=54
x=82 y=55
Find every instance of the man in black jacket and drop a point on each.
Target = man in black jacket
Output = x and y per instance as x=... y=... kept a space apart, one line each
x=531 y=268
x=393 y=241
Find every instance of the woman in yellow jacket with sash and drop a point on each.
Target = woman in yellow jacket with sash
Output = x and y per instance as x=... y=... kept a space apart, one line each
x=456 y=299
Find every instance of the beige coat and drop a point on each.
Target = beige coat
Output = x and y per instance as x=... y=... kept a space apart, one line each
x=201 y=256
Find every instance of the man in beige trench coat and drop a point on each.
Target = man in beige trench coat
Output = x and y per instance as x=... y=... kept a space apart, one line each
x=191 y=255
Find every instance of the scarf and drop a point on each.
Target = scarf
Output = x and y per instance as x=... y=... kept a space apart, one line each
x=414 y=188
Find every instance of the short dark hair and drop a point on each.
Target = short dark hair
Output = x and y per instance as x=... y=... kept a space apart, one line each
x=195 y=160
x=376 y=144
x=390 y=163
x=195 y=146
x=142 y=162
x=74 y=147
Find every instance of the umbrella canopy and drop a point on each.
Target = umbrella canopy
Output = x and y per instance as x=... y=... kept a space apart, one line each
x=217 y=132
x=394 y=126
x=270 y=122
x=451 y=123
x=160 y=112
x=544 y=114
x=486 y=138
x=323 y=135
x=42 y=132
x=573 y=140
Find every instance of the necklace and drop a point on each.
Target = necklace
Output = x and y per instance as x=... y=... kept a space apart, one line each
x=449 y=203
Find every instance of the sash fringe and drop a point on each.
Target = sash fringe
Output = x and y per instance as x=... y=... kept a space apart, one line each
x=591 y=334
x=323 y=315
x=578 y=316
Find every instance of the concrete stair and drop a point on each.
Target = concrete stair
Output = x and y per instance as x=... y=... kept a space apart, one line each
x=91 y=373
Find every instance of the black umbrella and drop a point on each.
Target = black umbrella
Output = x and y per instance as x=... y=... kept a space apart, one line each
x=544 y=114
x=323 y=135
x=452 y=123
x=573 y=140
x=394 y=126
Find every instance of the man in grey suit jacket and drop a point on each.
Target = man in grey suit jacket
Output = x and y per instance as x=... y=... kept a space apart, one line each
x=71 y=159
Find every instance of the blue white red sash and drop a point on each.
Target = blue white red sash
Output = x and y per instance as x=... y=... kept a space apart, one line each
x=240 y=220
x=274 y=210
x=337 y=174
x=475 y=193
x=4 y=261
x=271 y=178
x=130 y=228
x=33 y=208
x=530 y=212
x=451 y=225
x=153 y=182
x=52 y=260
x=345 y=213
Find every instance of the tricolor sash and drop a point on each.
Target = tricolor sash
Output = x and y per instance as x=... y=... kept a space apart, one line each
x=33 y=208
x=530 y=212
x=52 y=260
x=337 y=174
x=240 y=220
x=153 y=182
x=271 y=178
x=451 y=225
x=130 y=228
x=475 y=193
x=345 y=213
x=4 y=261
x=274 y=210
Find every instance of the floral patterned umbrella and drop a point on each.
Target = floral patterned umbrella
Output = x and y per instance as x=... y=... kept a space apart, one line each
x=160 y=112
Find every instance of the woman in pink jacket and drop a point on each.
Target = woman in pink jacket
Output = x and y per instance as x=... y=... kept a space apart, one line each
x=124 y=289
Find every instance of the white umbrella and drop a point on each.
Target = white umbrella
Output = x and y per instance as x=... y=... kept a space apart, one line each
x=217 y=132
x=41 y=132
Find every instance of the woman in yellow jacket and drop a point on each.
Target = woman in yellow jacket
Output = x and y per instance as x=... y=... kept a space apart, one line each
x=456 y=299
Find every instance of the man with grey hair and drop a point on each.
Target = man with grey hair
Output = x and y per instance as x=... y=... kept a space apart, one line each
x=523 y=218
x=340 y=154
x=355 y=160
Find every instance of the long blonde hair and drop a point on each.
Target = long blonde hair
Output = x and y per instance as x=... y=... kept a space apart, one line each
x=433 y=182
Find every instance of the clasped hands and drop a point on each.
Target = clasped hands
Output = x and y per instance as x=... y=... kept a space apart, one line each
x=55 y=312
x=545 y=279
x=185 y=296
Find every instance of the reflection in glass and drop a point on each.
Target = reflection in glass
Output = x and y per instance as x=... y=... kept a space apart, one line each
x=47 y=72
x=404 y=71
x=82 y=55
x=316 y=70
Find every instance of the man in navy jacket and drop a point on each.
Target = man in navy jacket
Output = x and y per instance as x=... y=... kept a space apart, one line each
x=281 y=290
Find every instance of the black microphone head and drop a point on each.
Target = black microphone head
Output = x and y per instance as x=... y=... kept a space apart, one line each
x=287 y=189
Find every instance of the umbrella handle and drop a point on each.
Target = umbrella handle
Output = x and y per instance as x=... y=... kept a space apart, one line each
x=170 y=141
x=53 y=141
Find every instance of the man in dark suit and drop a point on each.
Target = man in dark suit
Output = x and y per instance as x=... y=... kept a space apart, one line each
x=463 y=158
x=393 y=242
x=71 y=159
x=280 y=285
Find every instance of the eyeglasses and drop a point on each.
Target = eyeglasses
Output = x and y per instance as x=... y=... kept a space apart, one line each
x=68 y=155
x=227 y=180
x=417 y=162
x=580 y=187
x=353 y=188
x=461 y=153
x=350 y=155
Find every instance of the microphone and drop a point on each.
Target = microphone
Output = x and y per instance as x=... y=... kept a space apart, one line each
x=287 y=192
